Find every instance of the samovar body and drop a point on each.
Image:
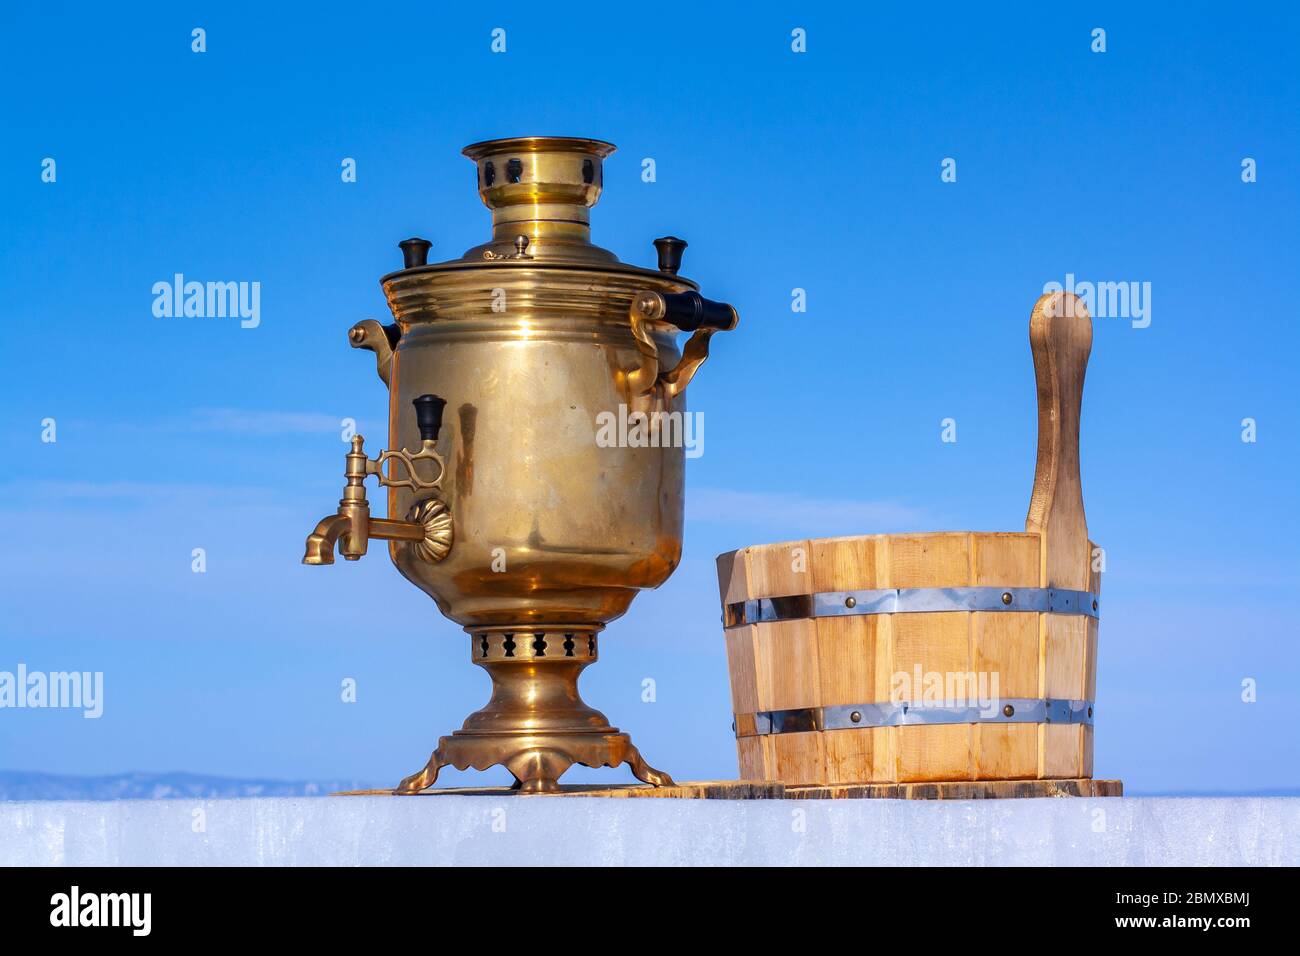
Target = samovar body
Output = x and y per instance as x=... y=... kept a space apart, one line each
x=551 y=525
x=536 y=416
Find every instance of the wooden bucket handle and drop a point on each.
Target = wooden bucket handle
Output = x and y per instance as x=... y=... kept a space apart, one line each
x=1060 y=335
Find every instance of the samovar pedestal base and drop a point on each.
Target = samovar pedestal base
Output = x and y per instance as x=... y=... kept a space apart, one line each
x=536 y=725
x=537 y=762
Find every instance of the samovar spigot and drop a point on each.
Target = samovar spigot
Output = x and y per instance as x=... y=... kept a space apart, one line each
x=428 y=527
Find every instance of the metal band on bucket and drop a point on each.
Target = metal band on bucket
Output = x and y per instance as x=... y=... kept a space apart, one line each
x=1019 y=710
x=910 y=601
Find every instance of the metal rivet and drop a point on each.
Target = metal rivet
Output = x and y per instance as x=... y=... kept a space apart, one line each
x=1089 y=711
x=856 y=716
x=1094 y=605
x=1008 y=711
x=1006 y=597
x=850 y=602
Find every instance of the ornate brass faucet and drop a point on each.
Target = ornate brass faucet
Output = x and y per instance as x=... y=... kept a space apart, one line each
x=428 y=526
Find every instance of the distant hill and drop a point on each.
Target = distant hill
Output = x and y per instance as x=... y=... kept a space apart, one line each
x=1268 y=792
x=23 y=785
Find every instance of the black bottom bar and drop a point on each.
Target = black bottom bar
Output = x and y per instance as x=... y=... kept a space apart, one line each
x=1041 y=908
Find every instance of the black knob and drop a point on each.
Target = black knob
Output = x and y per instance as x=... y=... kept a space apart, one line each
x=415 y=252
x=690 y=311
x=428 y=415
x=670 y=250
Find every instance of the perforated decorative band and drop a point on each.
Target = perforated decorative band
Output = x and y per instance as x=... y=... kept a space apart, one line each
x=1018 y=710
x=909 y=601
x=533 y=644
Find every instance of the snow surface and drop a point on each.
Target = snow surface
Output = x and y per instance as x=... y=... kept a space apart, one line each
x=488 y=830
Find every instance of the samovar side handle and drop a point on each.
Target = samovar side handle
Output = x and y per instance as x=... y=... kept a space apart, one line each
x=688 y=311
x=380 y=339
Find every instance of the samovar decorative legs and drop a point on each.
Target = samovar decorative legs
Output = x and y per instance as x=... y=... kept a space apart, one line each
x=536 y=725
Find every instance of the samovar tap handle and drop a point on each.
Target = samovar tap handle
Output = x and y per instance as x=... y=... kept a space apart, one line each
x=428 y=418
x=690 y=312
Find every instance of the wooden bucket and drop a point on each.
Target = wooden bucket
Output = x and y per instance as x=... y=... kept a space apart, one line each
x=930 y=657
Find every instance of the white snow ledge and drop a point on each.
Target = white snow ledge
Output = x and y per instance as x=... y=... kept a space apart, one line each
x=491 y=831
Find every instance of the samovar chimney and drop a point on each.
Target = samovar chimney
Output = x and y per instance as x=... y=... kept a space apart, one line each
x=541 y=188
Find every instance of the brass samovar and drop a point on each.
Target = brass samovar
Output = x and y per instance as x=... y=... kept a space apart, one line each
x=506 y=506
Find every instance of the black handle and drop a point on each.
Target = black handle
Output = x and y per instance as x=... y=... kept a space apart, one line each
x=415 y=252
x=690 y=311
x=670 y=250
x=428 y=415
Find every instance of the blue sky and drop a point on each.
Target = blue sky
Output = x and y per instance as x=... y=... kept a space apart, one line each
x=818 y=170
